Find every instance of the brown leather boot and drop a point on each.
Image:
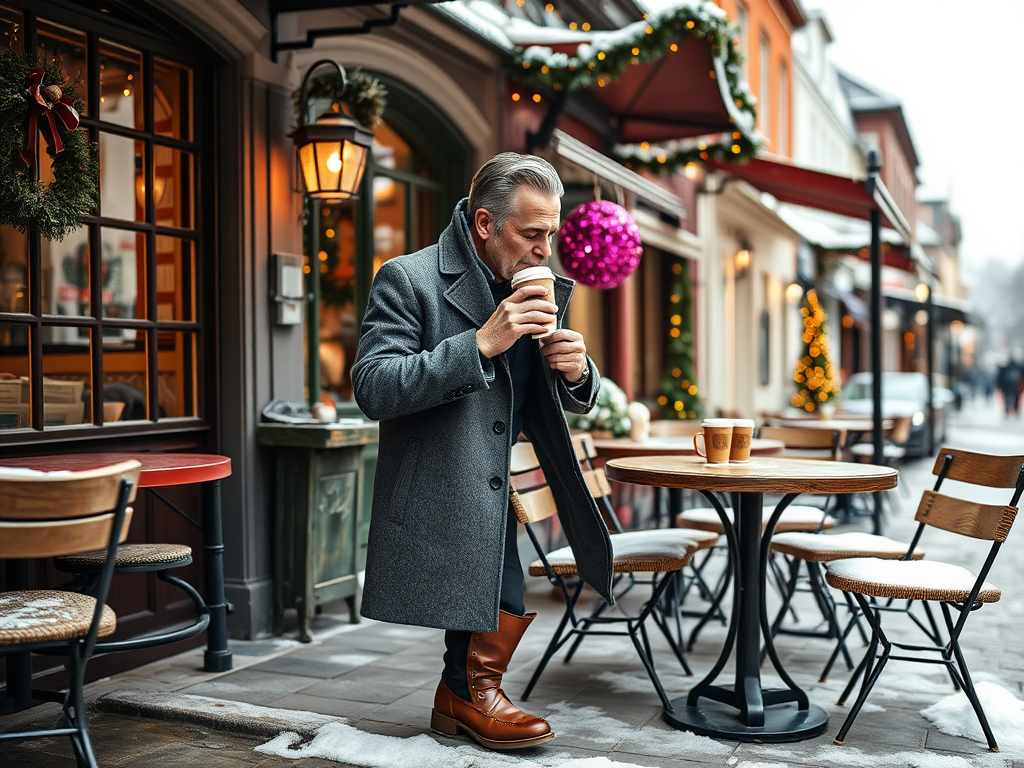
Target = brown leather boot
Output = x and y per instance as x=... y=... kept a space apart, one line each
x=490 y=719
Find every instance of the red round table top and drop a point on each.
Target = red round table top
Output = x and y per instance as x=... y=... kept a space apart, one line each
x=157 y=468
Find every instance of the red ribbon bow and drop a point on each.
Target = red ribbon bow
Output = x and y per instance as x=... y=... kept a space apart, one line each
x=38 y=106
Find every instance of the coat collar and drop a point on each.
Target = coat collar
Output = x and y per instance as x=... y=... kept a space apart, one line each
x=470 y=293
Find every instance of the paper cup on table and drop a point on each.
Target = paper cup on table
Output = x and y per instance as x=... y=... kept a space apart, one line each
x=716 y=440
x=538 y=276
x=742 y=434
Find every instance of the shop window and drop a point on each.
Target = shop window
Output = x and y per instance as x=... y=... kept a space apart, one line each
x=397 y=213
x=102 y=327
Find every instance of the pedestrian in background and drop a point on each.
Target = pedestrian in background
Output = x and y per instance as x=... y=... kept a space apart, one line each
x=1008 y=380
x=447 y=363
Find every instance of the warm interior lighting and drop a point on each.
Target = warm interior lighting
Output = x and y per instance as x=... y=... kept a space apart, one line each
x=794 y=292
x=742 y=261
x=921 y=292
x=921 y=317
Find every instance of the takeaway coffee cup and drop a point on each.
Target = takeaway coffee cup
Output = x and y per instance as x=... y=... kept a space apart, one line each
x=742 y=433
x=538 y=276
x=716 y=438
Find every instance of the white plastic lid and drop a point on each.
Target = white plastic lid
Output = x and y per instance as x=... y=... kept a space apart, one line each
x=716 y=423
x=532 y=273
x=743 y=423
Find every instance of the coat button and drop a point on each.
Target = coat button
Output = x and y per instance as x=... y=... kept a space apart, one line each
x=499 y=427
x=496 y=483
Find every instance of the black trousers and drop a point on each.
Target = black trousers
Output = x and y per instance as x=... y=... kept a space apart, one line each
x=510 y=599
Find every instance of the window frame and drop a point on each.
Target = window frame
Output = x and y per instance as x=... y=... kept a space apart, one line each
x=108 y=28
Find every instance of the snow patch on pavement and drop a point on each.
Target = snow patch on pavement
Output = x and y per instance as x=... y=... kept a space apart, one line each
x=1005 y=713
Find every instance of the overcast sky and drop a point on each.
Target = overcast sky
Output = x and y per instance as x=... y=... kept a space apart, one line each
x=958 y=69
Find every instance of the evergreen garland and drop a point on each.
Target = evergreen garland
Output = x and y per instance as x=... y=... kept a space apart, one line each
x=641 y=43
x=680 y=398
x=55 y=209
x=815 y=376
x=365 y=97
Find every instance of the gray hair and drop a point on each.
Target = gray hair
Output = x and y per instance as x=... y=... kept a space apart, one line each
x=493 y=185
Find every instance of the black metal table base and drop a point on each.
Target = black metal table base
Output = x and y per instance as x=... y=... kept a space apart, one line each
x=782 y=722
x=744 y=710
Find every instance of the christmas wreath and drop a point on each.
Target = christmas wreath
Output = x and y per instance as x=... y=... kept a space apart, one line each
x=364 y=96
x=35 y=98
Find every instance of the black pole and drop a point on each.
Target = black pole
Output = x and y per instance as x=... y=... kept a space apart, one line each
x=878 y=456
x=313 y=294
x=930 y=358
x=218 y=656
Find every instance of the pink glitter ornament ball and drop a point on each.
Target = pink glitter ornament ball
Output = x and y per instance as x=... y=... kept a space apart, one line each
x=599 y=244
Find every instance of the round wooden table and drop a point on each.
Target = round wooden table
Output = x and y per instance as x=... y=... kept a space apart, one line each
x=850 y=424
x=165 y=469
x=620 y=447
x=745 y=711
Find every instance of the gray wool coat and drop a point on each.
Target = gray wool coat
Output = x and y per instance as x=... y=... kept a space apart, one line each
x=441 y=489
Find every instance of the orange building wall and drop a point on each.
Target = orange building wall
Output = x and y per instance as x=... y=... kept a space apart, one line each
x=762 y=15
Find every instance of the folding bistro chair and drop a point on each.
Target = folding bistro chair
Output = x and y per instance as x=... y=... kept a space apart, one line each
x=957 y=591
x=636 y=552
x=48 y=514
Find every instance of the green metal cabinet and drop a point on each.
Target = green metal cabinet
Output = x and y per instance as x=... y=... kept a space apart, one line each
x=321 y=515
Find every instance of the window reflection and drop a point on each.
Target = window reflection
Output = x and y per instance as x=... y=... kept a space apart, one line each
x=177 y=376
x=121 y=85
x=125 y=380
x=172 y=90
x=66 y=46
x=66 y=275
x=14 y=368
x=13 y=270
x=123 y=265
x=12 y=24
x=67 y=377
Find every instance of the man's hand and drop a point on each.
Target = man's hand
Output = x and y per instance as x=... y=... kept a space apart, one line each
x=565 y=351
x=524 y=312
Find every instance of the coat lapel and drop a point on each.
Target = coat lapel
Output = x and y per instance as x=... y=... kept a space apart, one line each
x=469 y=294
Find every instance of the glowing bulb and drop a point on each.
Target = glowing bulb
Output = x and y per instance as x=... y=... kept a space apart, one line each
x=127 y=92
x=515 y=97
x=334 y=162
x=536 y=98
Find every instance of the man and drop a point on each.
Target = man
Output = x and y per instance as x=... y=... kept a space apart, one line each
x=446 y=362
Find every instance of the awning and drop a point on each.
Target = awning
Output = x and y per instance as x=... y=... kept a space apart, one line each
x=945 y=308
x=815 y=189
x=670 y=99
x=842 y=235
x=656 y=196
x=853 y=304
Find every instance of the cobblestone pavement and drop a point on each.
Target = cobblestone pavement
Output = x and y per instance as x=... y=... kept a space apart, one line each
x=376 y=680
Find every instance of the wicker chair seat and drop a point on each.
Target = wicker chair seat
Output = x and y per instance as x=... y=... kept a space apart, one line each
x=129 y=555
x=657 y=551
x=892 y=452
x=907 y=580
x=796 y=517
x=35 y=616
x=821 y=548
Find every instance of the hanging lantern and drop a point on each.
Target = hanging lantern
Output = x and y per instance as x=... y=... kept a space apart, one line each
x=599 y=244
x=331 y=150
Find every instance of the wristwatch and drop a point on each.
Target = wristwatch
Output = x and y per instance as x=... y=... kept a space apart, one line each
x=583 y=379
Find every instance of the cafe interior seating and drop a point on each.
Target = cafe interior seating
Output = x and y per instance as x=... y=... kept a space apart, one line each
x=957 y=591
x=659 y=554
x=61 y=513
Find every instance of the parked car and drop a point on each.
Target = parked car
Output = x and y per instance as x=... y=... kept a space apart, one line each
x=903 y=394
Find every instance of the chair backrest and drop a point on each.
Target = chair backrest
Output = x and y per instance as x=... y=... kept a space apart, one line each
x=900 y=433
x=990 y=522
x=827 y=442
x=674 y=428
x=538 y=504
x=62 y=513
x=583 y=444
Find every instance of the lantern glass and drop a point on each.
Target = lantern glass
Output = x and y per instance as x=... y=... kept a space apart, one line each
x=355 y=162
x=328 y=167
x=307 y=160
